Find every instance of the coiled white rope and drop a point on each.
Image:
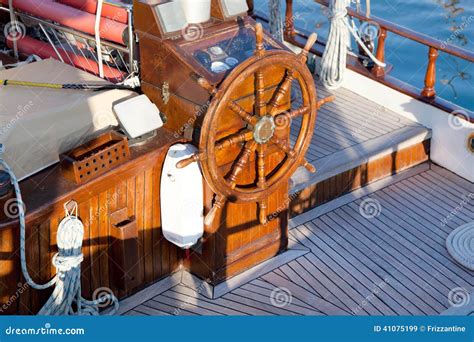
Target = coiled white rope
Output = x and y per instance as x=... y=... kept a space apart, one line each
x=333 y=62
x=66 y=298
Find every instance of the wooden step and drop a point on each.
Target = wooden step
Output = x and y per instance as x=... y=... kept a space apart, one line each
x=355 y=142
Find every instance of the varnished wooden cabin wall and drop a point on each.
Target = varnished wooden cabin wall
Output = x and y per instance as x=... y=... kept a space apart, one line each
x=133 y=188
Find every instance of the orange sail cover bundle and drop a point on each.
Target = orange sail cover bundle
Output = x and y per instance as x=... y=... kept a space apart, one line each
x=71 y=17
x=108 y=11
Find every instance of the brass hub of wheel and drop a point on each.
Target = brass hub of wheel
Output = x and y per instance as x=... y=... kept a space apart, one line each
x=264 y=129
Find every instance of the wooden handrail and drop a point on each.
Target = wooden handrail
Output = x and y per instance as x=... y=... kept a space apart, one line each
x=410 y=34
x=427 y=94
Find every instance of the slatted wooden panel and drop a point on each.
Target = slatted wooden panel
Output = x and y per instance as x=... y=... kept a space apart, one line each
x=157 y=257
x=394 y=263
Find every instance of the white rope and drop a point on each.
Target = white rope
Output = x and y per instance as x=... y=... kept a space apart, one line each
x=369 y=53
x=333 y=62
x=66 y=298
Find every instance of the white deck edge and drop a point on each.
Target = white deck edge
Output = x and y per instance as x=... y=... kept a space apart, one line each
x=359 y=154
x=354 y=195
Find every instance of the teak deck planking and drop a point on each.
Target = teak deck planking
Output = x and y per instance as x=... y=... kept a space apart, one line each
x=396 y=259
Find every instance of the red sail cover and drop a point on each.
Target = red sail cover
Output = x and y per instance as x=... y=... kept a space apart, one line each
x=72 y=17
x=108 y=11
x=30 y=46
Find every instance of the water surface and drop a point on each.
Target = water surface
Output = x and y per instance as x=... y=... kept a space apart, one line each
x=447 y=20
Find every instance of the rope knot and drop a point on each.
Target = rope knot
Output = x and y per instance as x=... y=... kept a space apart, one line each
x=66 y=263
x=337 y=14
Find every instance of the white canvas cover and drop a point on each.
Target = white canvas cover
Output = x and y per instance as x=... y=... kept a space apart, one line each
x=37 y=124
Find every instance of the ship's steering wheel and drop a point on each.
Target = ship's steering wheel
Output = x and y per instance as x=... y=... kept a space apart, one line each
x=261 y=131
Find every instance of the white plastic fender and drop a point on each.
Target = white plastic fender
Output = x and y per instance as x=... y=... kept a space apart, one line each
x=182 y=203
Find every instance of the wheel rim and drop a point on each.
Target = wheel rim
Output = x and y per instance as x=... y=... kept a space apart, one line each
x=260 y=136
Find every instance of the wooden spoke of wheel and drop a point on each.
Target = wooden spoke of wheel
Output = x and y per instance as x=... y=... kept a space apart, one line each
x=235 y=139
x=282 y=146
x=260 y=105
x=281 y=91
x=218 y=204
x=259 y=47
x=298 y=112
x=303 y=56
x=194 y=158
x=325 y=100
x=290 y=75
x=262 y=212
x=244 y=115
x=291 y=153
x=284 y=120
x=224 y=143
x=249 y=148
x=261 y=182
